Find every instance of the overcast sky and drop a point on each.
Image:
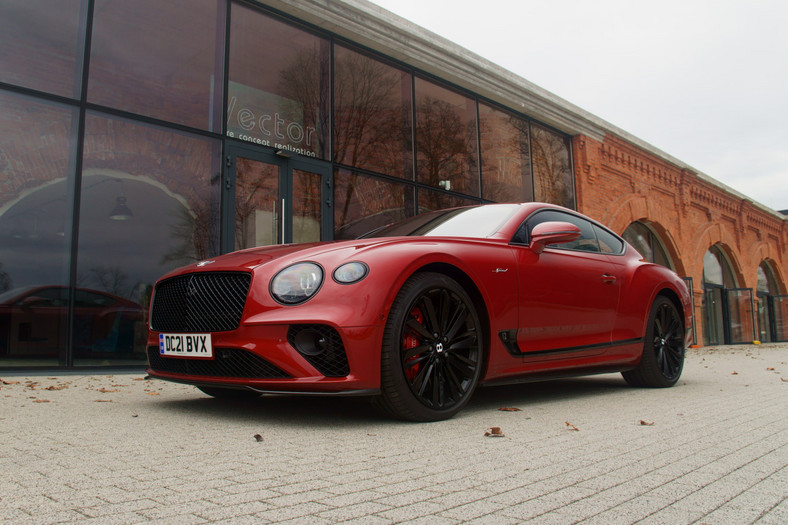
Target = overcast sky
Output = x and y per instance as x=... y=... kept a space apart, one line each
x=705 y=81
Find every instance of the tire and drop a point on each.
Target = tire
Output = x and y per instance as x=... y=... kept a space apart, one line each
x=663 y=349
x=230 y=394
x=432 y=353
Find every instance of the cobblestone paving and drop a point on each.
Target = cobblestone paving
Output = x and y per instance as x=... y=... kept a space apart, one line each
x=122 y=449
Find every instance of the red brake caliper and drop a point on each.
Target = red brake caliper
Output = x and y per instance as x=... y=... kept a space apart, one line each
x=410 y=341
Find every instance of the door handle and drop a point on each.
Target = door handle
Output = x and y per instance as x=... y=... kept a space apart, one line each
x=608 y=279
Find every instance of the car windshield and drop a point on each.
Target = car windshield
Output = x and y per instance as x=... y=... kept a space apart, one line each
x=476 y=222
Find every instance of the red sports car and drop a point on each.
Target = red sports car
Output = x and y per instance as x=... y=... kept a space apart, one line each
x=421 y=312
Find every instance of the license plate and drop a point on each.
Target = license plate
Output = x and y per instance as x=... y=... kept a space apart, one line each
x=186 y=345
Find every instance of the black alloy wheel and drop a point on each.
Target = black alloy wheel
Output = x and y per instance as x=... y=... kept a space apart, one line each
x=432 y=350
x=663 y=350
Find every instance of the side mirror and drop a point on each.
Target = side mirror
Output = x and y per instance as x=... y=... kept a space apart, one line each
x=552 y=233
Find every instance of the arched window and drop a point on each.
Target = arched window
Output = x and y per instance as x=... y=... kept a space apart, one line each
x=717 y=269
x=648 y=244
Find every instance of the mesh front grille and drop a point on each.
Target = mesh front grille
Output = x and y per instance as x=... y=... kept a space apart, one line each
x=327 y=354
x=200 y=302
x=228 y=362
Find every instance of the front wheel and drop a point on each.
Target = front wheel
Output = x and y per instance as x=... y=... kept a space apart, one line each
x=431 y=358
x=663 y=350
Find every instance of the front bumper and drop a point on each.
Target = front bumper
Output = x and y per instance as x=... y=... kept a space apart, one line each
x=281 y=358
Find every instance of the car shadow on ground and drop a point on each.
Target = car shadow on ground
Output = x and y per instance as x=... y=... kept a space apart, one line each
x=334 y=411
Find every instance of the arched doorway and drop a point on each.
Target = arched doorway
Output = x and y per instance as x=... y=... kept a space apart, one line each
x=728 y=311
x=772 y=307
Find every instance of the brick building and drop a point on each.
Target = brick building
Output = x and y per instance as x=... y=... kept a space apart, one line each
x=139 y=136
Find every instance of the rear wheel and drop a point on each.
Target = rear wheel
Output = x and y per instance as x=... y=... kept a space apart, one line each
x=431 y=357
x=235 y=394
x=663 y=350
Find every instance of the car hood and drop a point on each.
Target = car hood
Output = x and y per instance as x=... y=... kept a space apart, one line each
x=252 y=258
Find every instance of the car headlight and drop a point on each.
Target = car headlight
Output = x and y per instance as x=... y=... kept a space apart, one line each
x=297 y=283
x=351 y=272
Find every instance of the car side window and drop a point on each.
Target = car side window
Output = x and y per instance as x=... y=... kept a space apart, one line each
x=50 y=297
x=608 y=243
x=587 y=241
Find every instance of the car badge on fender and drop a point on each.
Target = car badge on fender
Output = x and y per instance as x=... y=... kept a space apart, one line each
x=204 y=263
x=501 y=270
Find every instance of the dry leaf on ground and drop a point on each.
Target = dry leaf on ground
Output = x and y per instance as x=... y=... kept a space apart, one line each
x=570 y=426
x=493 y=432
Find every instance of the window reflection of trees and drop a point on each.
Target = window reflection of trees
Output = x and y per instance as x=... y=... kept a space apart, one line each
x=506 y=156
x=305 y=80
x=372 y=131
x=446 y=144
x=372 y=127
x=552 y=169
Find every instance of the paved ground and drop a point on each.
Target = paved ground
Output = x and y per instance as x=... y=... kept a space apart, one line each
x=122 y=449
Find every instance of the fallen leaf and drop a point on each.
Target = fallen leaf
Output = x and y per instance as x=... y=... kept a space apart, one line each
x=509 y=409
x=734 y=373
x=58 y=387
x=572 y=427
x=106 y=390
x=770 y=368
x=153 y=393
x=646 y=423
x=784 y=380
x=494 y=432
x=41 y=401
x=9 y=382
x=102 y=401
x=258 y=438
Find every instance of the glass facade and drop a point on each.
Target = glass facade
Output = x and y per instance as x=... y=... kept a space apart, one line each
x=42 y=45
x=118 y=123
x=167 y=66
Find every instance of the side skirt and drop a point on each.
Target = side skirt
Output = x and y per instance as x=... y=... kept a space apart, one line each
x=509 y=340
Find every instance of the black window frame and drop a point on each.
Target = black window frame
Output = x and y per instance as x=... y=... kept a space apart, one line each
x=523 y=234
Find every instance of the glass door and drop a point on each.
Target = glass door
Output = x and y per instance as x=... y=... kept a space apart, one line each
x=713 y=330
x=779 y=310
x=273 y=199
x=740 y=323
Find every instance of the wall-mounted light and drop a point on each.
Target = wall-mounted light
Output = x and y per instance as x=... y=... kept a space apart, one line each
x=121 y=212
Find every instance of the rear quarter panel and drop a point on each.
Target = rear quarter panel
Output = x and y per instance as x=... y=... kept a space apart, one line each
x=644 y=281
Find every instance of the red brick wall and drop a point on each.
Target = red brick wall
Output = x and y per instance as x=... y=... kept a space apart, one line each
x=617 y=184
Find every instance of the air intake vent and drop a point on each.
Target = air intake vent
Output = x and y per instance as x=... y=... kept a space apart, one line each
x=200 y=302
x=228 y=362
x=322 y=346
